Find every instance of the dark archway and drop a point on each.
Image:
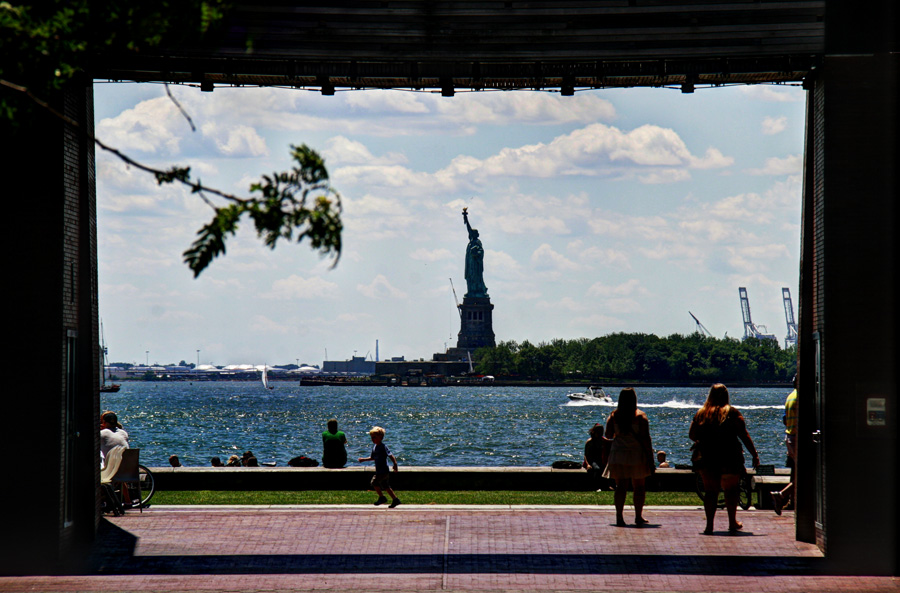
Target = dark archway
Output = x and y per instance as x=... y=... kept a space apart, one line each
x=847 y=480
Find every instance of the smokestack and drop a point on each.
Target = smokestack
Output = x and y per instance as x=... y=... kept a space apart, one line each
x=376 y=351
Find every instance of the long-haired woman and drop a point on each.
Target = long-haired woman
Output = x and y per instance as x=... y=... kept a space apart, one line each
x=718 y=430
x=630 y=455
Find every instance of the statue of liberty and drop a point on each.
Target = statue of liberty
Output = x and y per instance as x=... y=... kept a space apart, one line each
x=475 y=287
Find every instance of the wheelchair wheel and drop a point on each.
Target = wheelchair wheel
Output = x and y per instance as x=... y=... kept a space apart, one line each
x=147 y=485
x=745 y=494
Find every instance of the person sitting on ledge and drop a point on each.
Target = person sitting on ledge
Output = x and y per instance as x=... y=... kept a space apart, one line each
x=216 y=462
x=661 y=459
x=174 y=461
x=233 y=461
x=334 y=442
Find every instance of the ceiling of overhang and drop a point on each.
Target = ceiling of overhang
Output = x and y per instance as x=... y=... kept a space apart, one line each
x=481 y=44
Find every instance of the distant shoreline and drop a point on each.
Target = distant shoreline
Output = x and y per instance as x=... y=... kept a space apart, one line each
x=454 y=382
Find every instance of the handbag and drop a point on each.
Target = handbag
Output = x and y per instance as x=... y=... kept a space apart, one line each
x=696 y=455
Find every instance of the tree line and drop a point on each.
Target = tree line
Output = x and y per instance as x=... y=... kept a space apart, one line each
x=642 y=357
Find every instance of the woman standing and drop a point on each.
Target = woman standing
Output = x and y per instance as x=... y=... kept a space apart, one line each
x=630 y=455
x=718 y=431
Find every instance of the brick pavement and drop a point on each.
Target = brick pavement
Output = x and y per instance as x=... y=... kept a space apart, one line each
x=430 y=548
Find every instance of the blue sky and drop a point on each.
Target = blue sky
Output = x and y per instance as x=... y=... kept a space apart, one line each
x=610 y=211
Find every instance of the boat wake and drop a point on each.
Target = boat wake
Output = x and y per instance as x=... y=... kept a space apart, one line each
x=672 y=403
x=577 y=403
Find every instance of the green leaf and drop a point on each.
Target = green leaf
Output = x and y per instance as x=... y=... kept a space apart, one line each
x=210 y=241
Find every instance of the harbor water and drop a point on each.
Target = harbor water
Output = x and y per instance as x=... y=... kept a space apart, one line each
x=427 y=426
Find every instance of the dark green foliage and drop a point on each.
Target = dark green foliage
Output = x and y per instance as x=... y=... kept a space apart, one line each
x=642 y=357
x=46 y=45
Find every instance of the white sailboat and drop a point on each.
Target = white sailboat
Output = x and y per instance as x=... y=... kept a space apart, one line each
x=265 y=377
x=104 y=362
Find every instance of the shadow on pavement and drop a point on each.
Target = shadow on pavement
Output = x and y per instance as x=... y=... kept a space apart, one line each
x=463 y=564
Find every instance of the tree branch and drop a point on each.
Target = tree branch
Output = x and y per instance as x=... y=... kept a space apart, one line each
x=279 y=212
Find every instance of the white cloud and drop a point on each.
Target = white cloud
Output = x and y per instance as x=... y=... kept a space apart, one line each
x=746 y=207
x=502 y=265
x=651 y=154
x=297 y=287
x=713 y=231
x=545 y=258
x=263 y=325
x=344 y=151
x=523 y=107
x=235 y=140
x=774 y=125
x=655 y=154
x=161 y=314
x=371 y=217
x=665 y=176
x=627 y=288
x=520 y=224
x=599 y=255
x=565 y=304
x=381 y=288
x=643 y=228
x=712 y=159
x=431 y=255
x=150 y=126
x=692 y=254
x=774 y=94
x=622 y=306
x=788 y=165
x=597 y=323
x=382 y=101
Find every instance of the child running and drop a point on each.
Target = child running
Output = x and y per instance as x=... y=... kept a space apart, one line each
x=380 y=455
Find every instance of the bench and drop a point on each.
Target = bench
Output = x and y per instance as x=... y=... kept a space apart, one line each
x=766 y=480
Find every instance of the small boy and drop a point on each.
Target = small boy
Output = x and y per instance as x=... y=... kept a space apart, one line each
x=380 y=455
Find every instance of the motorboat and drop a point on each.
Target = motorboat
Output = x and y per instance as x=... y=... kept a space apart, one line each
x=591 y=394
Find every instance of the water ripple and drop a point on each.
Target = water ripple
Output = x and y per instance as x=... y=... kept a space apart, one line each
x=451 y=426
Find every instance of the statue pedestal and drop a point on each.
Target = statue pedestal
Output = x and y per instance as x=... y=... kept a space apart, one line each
x=477 y=325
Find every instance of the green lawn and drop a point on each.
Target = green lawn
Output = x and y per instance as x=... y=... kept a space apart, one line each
x=503 y=497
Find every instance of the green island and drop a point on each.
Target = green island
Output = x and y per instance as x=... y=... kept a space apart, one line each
x=646 y=358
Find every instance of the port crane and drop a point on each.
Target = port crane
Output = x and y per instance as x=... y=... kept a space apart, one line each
x=791 y=338
x=456 y=298
x=459 y=310
x=701 y=329
x=752 y=330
